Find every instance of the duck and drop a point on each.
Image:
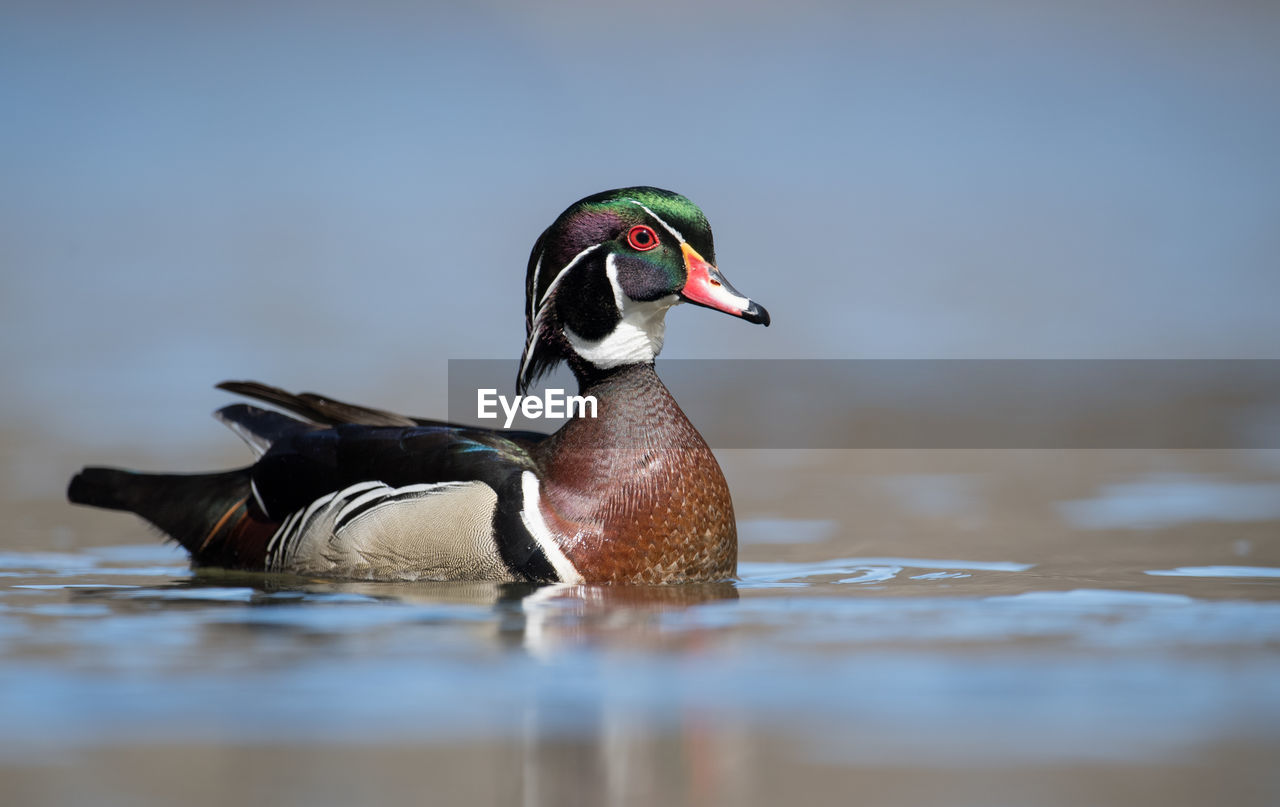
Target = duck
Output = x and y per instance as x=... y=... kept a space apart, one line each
x=627 y=493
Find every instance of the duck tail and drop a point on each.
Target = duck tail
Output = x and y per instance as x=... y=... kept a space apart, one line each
x=199 y=511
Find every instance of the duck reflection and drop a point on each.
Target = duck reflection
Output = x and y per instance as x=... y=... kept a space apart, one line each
x=540 y=618
x=592 y=741
x=545 y=619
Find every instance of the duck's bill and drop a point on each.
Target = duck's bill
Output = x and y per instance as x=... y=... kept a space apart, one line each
x=706 y=287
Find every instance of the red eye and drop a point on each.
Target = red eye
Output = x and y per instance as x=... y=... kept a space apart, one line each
x=642 y=238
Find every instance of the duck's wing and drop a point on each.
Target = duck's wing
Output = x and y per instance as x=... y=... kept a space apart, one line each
x=351 y=500
x=361 y=492
x=393 y=501
x=302 y=464
x=328 y=411
x=322 y=409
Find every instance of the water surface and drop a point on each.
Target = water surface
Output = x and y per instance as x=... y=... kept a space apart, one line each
x=953 y=628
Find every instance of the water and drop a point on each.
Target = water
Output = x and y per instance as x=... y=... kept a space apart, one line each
x=907 y=628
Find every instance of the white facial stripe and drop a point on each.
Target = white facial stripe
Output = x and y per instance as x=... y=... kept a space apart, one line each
x=536 y=305
x=659 y=219
x=531 y=515
x=533 y=290
x=556 y=281
x=611 y=272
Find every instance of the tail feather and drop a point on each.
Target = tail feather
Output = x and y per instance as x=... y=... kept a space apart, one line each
x=209 y=514
x=102 y=487
x=217 y=517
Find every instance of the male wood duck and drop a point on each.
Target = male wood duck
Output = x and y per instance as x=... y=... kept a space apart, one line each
x=631 y=495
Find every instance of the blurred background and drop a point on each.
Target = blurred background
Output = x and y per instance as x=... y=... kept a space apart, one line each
x=342 y=198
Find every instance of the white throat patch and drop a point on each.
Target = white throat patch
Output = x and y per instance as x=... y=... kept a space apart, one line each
x=636 y=339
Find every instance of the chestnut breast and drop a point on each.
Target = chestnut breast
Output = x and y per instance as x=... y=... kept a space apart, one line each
x=636 y=490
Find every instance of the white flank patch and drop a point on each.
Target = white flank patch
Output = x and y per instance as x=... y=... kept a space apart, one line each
x=638 y=336
x=284 y=530
x=298 y=520
x=531 y=515
x=384 y=491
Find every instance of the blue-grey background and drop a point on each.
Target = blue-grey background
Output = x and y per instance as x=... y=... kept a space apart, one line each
x=343 y=198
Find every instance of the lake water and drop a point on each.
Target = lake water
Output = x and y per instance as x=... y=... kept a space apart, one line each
x=909 y=627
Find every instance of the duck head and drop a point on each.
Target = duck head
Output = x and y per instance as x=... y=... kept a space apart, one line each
x=602 y=277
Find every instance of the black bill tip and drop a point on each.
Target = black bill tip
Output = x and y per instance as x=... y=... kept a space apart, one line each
x=756 y=313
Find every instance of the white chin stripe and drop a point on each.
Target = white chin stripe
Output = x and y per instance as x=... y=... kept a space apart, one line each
x=636 y=339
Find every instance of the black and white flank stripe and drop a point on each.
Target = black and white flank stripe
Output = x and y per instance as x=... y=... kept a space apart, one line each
x=441 y=531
